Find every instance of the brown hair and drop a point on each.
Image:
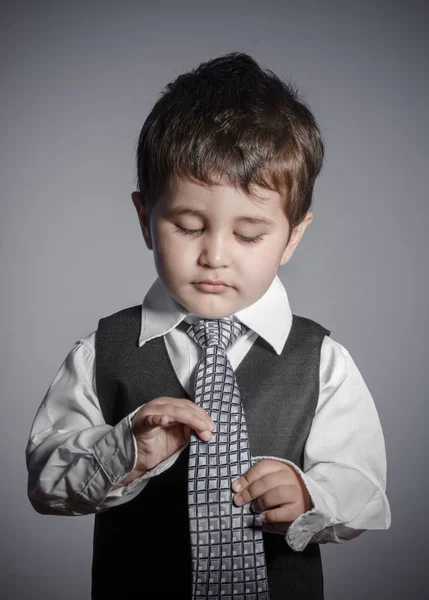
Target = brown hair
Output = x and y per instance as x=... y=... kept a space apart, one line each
x=230 y=118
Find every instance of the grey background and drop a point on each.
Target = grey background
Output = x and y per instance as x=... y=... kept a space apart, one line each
x=78 y=81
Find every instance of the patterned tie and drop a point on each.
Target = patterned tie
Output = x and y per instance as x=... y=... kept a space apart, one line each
x=228 y=559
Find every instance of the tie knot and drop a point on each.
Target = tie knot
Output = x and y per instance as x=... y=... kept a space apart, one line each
x=215 y=332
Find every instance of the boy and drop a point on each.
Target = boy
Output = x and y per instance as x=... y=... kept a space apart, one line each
x=226 y=162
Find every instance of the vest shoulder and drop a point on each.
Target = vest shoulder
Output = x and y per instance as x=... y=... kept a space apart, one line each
x=130 y=313
x=308 y=325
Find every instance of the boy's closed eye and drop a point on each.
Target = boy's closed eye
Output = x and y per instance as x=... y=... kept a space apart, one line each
x=241 y=237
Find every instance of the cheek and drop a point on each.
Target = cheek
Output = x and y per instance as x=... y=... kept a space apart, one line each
x=172 y=252
x=260 y=263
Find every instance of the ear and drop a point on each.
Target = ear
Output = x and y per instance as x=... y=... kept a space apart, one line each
x=144 y=218
x=295 y=238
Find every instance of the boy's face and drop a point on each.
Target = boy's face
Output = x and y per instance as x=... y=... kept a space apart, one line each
x=216 y=250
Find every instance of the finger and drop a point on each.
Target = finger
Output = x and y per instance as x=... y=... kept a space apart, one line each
x=205 y=434
x=175 y=407
x=148 y=429
x=173 y=415
x=261 y=468
x=202 y=431
x=277 y=496
x=281 y=514
x=148 y=425
x=186 y=404
x=261 y=486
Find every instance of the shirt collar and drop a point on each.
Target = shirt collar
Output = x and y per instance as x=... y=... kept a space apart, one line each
x=270 y=316
x=160 y=313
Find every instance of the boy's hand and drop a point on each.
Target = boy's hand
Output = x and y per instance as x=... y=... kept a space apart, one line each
x=163 y=425
x=277 y=492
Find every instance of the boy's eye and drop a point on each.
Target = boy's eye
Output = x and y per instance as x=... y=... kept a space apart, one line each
x=189 y=231
x=249 y=239
x=245 y=239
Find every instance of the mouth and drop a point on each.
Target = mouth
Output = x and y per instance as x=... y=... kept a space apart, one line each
x=213 y=282
x=212 y=286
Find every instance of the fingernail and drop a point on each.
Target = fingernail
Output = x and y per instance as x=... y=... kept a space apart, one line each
x=207 y=434
x=236 y=486
x=212 y=426
x=238 y=500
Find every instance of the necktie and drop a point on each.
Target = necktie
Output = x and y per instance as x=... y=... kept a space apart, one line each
x=228 y=559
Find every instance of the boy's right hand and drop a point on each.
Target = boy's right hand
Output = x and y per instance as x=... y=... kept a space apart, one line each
x=163 y=425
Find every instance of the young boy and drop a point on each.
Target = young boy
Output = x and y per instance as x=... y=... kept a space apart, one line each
x=226 y=161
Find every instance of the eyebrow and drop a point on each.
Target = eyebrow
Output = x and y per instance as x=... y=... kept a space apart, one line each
x=182 y=210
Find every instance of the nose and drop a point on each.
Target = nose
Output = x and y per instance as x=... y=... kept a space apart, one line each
x=214 y=252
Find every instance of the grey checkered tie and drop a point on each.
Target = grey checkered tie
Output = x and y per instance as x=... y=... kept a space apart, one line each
x=228 y=559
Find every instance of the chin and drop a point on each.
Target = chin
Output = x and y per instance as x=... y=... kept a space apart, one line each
x=210 y=314
x=210 y=306
x=205 y=311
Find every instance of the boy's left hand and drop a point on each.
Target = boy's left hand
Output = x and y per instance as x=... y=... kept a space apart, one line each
x=276 y=491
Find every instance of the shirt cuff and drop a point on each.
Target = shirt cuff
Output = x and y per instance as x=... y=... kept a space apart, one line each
x=117 y=454
x=306 y=526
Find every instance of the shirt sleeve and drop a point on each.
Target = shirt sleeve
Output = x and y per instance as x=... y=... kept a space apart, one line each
x=344 y=467
x=75 y=460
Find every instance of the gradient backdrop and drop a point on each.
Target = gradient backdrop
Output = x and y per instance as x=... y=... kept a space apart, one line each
x=78 y=81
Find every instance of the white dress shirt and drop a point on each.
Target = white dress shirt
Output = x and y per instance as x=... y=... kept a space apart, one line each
x=76 y=461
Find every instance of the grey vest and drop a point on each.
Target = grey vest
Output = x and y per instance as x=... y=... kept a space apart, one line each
x=141 y=548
